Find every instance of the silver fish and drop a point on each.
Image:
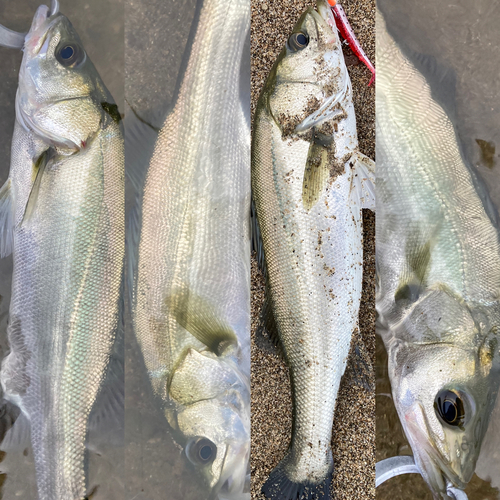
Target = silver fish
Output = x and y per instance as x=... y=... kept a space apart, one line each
x=191 y=301
x=62 y=217
x=438 y=260
x=310 y=183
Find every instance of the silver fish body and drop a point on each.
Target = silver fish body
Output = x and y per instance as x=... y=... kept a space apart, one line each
x=438 y=263
x=309 y=183
x=192 y=285
x=64 y=222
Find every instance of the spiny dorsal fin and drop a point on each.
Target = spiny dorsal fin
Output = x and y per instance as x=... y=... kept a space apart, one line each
x=15 y=428
x=363 y=374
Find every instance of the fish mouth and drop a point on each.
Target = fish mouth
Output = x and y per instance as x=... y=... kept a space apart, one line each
x=325 y=11
x=43 y=22
x=435 y=469
x=235 y=477
x=15 y=40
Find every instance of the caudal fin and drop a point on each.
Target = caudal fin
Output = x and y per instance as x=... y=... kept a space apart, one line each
x=280 y=487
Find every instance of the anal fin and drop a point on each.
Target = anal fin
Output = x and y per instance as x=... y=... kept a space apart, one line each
x=257 y=244
x=267 y=334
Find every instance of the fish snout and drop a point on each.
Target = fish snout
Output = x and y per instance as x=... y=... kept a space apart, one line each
x=437 y=459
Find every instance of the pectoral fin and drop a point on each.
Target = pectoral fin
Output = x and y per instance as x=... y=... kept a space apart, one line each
x=201 y=319
x=6 y=220
x=363 y=181
x=316 y=174
x=38 y=171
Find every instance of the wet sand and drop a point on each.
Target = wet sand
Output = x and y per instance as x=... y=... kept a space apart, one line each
x=353 y=441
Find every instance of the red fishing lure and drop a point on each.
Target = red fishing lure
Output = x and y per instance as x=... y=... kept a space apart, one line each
x=348 y=34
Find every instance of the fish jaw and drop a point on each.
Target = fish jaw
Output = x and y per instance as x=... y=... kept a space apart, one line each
x=66 y=114
x=433 y=468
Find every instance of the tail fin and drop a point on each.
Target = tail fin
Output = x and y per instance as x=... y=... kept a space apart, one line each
x=280 y=487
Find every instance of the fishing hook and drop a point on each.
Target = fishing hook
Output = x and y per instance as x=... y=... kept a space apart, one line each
x=395 y=466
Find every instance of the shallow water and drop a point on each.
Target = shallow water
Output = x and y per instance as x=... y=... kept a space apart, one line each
x=100 y=24
x=463 y=39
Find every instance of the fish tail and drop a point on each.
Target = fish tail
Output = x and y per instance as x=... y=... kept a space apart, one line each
x=280 y=487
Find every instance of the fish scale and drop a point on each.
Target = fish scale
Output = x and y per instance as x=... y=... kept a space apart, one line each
x=192 y=273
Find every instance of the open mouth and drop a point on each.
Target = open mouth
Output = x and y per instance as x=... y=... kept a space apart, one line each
x=43 y=21
x=436 y=471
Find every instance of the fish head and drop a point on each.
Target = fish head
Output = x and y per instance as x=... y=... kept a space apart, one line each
x=444 y=393
x=212 y=418
x=60 y=96
x=309 y=78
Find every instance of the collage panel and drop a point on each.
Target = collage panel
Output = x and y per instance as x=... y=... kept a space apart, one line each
x=314 y=267
x=62 y=230
x=437 y=247
x=188 y=241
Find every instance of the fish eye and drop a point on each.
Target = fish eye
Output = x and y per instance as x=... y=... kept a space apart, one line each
x=201 y=451
x=298 y=41
x=70 y=54
x=450 y=408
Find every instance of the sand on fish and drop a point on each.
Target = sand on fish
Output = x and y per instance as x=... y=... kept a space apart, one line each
x=353 y=441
